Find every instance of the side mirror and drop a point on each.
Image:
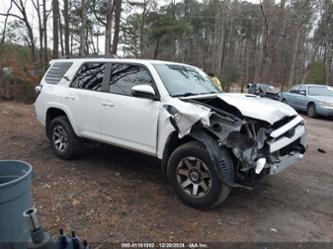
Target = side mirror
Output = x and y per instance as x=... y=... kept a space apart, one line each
x=144 y=91
x=303 y=92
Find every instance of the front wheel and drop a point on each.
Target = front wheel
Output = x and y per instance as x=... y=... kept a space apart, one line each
x=192 y=175
x=312 y=112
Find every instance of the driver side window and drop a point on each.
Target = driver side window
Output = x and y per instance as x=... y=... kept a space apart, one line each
x=302 y=90
x=125 y=76
x=294 y=90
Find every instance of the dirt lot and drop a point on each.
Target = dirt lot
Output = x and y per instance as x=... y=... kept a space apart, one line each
x=111 y=194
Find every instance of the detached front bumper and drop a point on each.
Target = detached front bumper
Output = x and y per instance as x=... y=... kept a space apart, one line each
x=284 y=163
x=288 y=145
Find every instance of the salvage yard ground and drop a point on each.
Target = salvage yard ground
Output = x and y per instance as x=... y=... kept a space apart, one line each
x=110 y=194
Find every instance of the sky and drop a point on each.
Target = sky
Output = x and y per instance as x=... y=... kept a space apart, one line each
x=4 y=5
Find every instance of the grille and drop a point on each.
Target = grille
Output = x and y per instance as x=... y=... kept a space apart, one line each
x=282 y=122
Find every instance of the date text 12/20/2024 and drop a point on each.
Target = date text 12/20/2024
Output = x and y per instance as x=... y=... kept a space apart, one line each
x=163 y=245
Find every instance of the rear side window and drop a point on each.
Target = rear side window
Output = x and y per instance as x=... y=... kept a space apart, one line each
x=90 y=77
x=56 y=72
x=125 y=76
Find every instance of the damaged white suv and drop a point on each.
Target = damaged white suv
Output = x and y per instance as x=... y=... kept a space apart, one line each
x=208 y=142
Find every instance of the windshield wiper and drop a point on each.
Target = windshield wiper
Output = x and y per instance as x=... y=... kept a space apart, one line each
x=191 y=94
x=184 y=94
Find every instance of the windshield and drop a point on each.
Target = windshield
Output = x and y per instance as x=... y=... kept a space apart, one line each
x=183 y=80
x=320 y=91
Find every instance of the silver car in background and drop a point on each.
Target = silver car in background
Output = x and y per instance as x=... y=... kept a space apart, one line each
x=313 y=99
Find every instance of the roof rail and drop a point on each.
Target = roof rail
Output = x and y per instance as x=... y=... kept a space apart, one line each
x=90 y=56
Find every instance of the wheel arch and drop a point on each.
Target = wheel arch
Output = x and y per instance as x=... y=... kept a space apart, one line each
x=310 y=103
x=209 y=141
x=54 y=112
x=173 y=141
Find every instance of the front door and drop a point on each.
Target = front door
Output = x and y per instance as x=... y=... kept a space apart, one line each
x=126 y=120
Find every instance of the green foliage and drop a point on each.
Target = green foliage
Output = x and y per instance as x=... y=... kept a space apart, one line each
x=316 y=73
x=130 y=38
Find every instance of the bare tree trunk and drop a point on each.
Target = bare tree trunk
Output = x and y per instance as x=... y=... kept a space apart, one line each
x=55 y=7
x=329 y=68
x=219 y=34
x=291 y=77
x=156 y=49
x=61 y=40
x=46 y=59
x=71 y=39
x=115 y=39
x=276 y=46
x=108 y=26
x=66 y=29
x=143 y=21
x=265 y=43
x=40 y=30
x=83 y=27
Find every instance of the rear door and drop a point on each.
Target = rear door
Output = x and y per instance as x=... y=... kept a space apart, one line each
x=301 y=99
x=84 y=98
x=292 y=95
x=126 y=120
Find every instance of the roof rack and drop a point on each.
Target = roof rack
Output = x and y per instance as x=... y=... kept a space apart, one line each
x=90 y=56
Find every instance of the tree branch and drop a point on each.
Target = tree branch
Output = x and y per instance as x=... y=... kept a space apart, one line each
x=13 y=15
x=5 y=24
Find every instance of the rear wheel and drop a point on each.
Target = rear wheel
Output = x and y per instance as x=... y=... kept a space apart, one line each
x=312 y=112
x=65 y=144
x=284 y=101
x=191 y=173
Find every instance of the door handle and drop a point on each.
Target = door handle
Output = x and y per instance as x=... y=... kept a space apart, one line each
x=108 y=104
x=70 y=97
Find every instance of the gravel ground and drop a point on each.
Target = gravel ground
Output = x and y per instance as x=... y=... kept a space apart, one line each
x=110 y=194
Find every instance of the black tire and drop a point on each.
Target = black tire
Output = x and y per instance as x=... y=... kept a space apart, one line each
x=285 y=101
x=312 y=112
x=217 y=191
x=73 y=143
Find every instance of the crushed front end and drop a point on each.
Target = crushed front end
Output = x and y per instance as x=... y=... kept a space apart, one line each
x=259 y=147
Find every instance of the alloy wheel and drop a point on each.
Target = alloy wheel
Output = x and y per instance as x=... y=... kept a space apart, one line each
x=194 y=177
x=59 y=138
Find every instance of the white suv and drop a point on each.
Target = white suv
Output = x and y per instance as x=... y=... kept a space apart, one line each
x=207 y=141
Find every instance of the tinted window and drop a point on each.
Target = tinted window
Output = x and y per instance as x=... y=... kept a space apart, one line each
x=125 y=76
x=90 y=76
x=56 y=72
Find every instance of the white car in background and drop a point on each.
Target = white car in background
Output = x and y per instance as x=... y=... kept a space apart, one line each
x=208 y=141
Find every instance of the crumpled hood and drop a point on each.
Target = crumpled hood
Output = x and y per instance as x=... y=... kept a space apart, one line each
x=258 y=108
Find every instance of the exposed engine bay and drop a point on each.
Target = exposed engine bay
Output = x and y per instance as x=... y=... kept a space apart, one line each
x=263 y=140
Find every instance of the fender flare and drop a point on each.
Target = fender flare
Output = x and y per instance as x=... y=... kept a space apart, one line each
x=67 y=112
x=222 y=161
